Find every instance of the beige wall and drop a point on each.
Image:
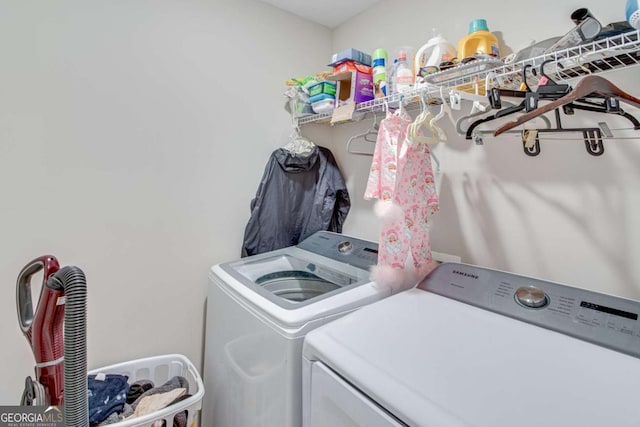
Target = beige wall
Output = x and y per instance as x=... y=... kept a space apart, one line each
x=133 y=134
x=564 y=216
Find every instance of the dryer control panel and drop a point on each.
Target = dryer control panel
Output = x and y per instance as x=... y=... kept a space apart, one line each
x=350 y=250
x=601 y=319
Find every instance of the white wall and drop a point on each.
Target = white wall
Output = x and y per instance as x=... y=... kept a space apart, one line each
x=133 y=134
x=564 y=216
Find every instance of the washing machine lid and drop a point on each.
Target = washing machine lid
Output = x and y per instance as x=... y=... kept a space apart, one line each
x=320 y=267
x=490 y=360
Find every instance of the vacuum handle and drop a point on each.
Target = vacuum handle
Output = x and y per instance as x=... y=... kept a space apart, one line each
x=24 y=300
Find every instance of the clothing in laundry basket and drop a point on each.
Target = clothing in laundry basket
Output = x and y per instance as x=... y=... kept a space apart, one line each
x=155 y=402
x=137 y=388
x=181 y=418
x=401 y=177
x=107 y=395
x=152 y=399
x=297 y=196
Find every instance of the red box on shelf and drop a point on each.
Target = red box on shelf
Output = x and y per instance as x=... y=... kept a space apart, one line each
x=345 y=66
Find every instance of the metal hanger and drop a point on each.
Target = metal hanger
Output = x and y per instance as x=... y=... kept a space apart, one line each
x=371 y=135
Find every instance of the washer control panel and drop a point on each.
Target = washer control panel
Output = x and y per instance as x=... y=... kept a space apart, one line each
x=357 y=252
x=531 y=297
x=601 y=319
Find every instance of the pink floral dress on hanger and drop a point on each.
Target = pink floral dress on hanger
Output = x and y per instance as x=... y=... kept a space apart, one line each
x=401 y=178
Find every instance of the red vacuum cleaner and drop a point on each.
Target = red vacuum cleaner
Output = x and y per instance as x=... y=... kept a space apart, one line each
x=43 y=328
x=57 y=333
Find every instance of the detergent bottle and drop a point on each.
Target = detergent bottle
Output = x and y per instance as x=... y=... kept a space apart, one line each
x=379 y=58
x=432 y=54
x=479 y=40
x=404 y=74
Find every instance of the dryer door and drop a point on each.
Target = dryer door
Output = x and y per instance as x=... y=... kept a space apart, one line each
x=334 y=402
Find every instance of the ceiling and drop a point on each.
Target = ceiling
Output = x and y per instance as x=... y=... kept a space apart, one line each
x=329 y=13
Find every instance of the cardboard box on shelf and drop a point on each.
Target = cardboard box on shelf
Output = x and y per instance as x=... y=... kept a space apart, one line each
x=321 y=87
x=353 y=87
x=352 y=55
x=343 y=66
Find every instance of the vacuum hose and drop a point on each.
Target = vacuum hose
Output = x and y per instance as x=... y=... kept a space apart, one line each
x=72 y=281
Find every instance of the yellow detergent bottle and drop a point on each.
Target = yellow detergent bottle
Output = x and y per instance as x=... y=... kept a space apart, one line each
x=479 y=40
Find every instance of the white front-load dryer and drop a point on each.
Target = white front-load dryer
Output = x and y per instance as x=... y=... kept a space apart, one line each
x=259 y=310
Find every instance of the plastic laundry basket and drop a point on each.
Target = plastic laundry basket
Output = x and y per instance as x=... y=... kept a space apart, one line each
x=160 y=369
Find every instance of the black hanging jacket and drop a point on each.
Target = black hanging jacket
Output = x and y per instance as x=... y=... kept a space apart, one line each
x=297 y=196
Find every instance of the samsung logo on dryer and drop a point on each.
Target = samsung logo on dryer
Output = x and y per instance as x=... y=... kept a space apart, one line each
x=462 y=273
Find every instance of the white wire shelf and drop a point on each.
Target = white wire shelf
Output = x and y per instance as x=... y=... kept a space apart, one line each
x=612 y=53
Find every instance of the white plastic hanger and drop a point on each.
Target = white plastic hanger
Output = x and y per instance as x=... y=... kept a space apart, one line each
x=437 y=130
x=475 y=97
x=423 y=119
x=477 y=104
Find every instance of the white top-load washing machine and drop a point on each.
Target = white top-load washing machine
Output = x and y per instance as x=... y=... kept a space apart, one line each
x=260 y=308
x=477 y=347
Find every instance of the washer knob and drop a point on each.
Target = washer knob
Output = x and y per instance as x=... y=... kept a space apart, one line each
x=344 y=247
x=532 y=297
